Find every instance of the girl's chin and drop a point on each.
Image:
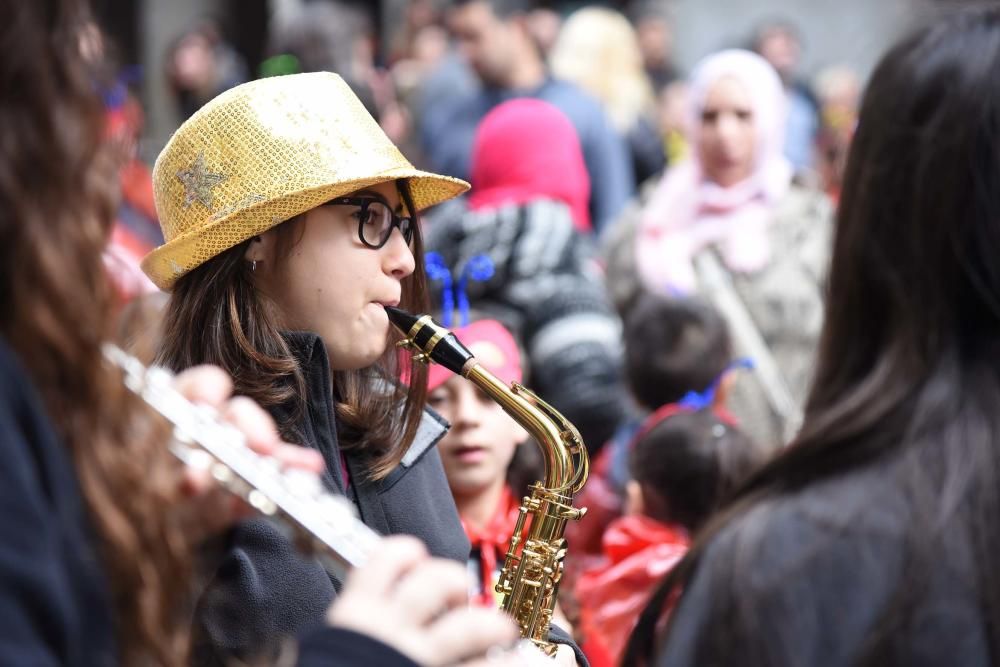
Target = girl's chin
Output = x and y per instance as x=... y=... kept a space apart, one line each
x=364 y=343
x=466 y=487
x=356 y=358
x=367 y=359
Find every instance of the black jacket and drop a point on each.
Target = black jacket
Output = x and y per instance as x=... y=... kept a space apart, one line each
x=812 y=578
x=262 y=589
x=54 y=603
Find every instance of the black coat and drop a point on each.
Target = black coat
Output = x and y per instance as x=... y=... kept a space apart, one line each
x=54 y=602
x=55 y=607
x=262 y=589
x=810 y=578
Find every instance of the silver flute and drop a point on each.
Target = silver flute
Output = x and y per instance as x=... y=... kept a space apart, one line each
x=321 y=523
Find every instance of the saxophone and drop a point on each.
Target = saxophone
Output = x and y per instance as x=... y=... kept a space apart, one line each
x=533 y=566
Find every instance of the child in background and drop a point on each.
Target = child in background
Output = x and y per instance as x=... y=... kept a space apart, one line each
x=677 y=351
x=672 y=347
x=683 y=463
x=478 y=449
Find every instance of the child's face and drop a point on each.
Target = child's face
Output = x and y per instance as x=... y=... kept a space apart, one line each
x=332 y=284
x=481 y=442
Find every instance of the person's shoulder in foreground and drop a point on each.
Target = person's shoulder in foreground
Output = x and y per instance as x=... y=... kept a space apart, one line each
x=808 y=579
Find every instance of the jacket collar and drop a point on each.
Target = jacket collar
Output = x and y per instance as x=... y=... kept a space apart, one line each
x=317 y=427
x=321 y=430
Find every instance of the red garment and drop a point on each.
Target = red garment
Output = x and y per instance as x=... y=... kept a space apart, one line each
x=492 y=344
x=121 y=259
x=604 y=505
x=137 y=188
x=492 y=542
x=596 y=652
x=527 y=149
x=639 y=552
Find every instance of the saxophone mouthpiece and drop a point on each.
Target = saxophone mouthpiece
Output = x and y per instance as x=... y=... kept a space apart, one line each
x=401 y=319
x=431 y=340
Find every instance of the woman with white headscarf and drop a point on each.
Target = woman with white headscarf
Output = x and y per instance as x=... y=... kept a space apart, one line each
x=729 y=224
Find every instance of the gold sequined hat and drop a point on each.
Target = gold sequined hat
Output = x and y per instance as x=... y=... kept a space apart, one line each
x=262 y=153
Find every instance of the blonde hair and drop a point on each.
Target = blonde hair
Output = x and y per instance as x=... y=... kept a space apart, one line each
x=837 y=82
x=598 y=50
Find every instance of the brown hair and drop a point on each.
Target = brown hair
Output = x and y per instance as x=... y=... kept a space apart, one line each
x=56 y=207
x=217 y=316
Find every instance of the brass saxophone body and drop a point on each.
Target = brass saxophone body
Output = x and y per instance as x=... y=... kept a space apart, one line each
x=533 y=567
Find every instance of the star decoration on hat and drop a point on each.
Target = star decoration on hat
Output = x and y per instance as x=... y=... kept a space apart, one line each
x=198 y=183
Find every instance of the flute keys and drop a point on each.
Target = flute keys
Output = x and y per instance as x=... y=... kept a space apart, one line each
x=222 y=474
x=261 y=502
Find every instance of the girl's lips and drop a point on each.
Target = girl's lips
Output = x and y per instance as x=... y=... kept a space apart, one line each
x=471 y=454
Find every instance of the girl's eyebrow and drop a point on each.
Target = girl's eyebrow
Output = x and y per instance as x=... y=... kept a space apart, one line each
x=372 y=193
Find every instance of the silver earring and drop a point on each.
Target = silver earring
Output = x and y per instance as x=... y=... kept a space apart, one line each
x=253 y=264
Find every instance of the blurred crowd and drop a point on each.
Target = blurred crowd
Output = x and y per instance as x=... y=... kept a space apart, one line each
x=431 y=79
x=657 y=242
x=758 y=306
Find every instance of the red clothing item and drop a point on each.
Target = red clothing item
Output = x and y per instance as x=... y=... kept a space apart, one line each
x=526 y=149
x=137 y=188
x=492 y=542
x=639 y=552
x=121 y=259
x=604 y=505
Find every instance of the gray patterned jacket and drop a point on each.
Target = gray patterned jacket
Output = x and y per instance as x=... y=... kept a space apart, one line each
x=547 y=287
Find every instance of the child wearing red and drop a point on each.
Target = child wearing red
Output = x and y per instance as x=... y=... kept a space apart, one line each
x=683 y=462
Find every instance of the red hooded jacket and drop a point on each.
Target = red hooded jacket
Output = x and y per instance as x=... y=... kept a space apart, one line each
x=639 y=552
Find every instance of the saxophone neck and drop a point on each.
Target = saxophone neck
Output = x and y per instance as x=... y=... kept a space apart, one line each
x=561 y=468
x=566 y=463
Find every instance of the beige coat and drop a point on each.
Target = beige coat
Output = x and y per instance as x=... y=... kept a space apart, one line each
x=783 y=301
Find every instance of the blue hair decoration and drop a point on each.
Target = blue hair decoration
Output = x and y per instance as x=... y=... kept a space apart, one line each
x=115 y=94
x=701 y=400
x=479 y=268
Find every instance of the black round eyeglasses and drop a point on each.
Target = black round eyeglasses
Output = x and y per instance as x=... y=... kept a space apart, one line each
x=376 y=219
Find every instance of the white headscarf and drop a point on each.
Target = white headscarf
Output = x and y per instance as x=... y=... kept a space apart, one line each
x=688 y=212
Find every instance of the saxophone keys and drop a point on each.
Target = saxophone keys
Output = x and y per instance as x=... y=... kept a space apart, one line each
x=573 y=513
